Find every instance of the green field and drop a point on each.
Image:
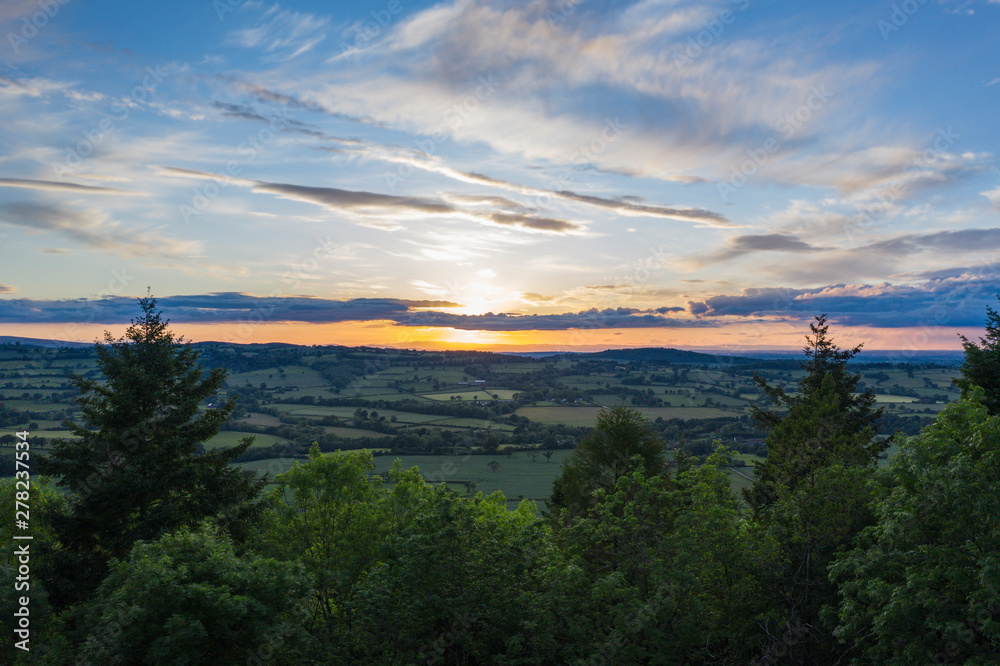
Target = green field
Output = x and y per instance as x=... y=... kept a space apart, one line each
x=517 y=477
x=586 y=416
x=233 y=437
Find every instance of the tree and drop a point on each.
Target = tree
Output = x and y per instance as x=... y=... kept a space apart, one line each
x=326 y=515
x=922 y=584
x=493 y=465
x=810 y=495
x=133 y=469
x=981 y=366
x=666 y=567
x=621 y=433
x=459 y=584
x=188 y=598
x=793 y=446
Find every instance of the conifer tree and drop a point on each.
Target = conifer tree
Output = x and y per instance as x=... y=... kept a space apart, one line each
x=805 y=436
x=133 y=467
x=981 y=366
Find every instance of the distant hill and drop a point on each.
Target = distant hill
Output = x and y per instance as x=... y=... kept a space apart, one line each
x=38 y=342
x=665 y=354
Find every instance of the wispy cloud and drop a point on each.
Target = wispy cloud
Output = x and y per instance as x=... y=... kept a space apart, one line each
x=623 y=205
x=375 y=205
x=64 y=187
x=95 y=230
x=282 y=34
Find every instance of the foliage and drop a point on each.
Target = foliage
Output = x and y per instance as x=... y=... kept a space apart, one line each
x=981 y=366
x=188 y=598
x=822 y=357
x=620 y=434
x=328 y=515
x=664 y=572
x=810 y=497
x=922 y=585
x=458 y=584
x=815 y=434
x=133 y=471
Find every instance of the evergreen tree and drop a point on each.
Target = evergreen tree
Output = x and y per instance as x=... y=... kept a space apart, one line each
x=982 y=363
x=810 y=496
x=133 y=468
x=797 y=442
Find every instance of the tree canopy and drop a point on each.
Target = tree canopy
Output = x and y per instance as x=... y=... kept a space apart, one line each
x=620 y=434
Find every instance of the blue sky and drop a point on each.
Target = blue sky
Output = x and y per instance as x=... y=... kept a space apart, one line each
x=545 y=174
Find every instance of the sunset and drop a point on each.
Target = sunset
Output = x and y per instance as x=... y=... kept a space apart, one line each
x=500 y=332
x=501 y=175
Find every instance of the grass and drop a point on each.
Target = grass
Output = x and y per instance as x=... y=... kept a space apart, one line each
x=888 y=398
x=294 y=375
x=233 y=437
x=586 y=416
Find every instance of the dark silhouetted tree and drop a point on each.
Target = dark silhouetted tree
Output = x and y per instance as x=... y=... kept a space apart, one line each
x=982 y=363
x=132 y=469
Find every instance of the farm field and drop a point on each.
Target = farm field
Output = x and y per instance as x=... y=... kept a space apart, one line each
x=585 y=416
x=423 y=403
x=233 y=437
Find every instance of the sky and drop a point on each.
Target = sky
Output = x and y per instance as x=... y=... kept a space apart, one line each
x=540 y=175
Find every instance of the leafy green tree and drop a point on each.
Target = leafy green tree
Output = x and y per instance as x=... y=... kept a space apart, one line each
x=133 y=469
x=666 y=573
x=459 y=585
x=328 y=514
x=188 y=598
x=981 y=366
x=922 y=584
x=620 y=433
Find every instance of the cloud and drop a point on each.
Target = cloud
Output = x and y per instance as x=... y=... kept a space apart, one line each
x=65 y=187
x=6 y=289
x=381 y=206
x=94 y=229
x=994 y=196
x=234 y=307
x=282 y=121
x=963 y=240
x=282 y=34
x=632 y=206
x=952 y=301
x=219 y=307
x=746 y=244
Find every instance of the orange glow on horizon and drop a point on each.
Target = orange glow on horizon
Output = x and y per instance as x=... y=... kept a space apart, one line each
x=731 y=338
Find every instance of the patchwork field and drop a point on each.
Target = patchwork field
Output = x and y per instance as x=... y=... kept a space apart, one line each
x=523 y=403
